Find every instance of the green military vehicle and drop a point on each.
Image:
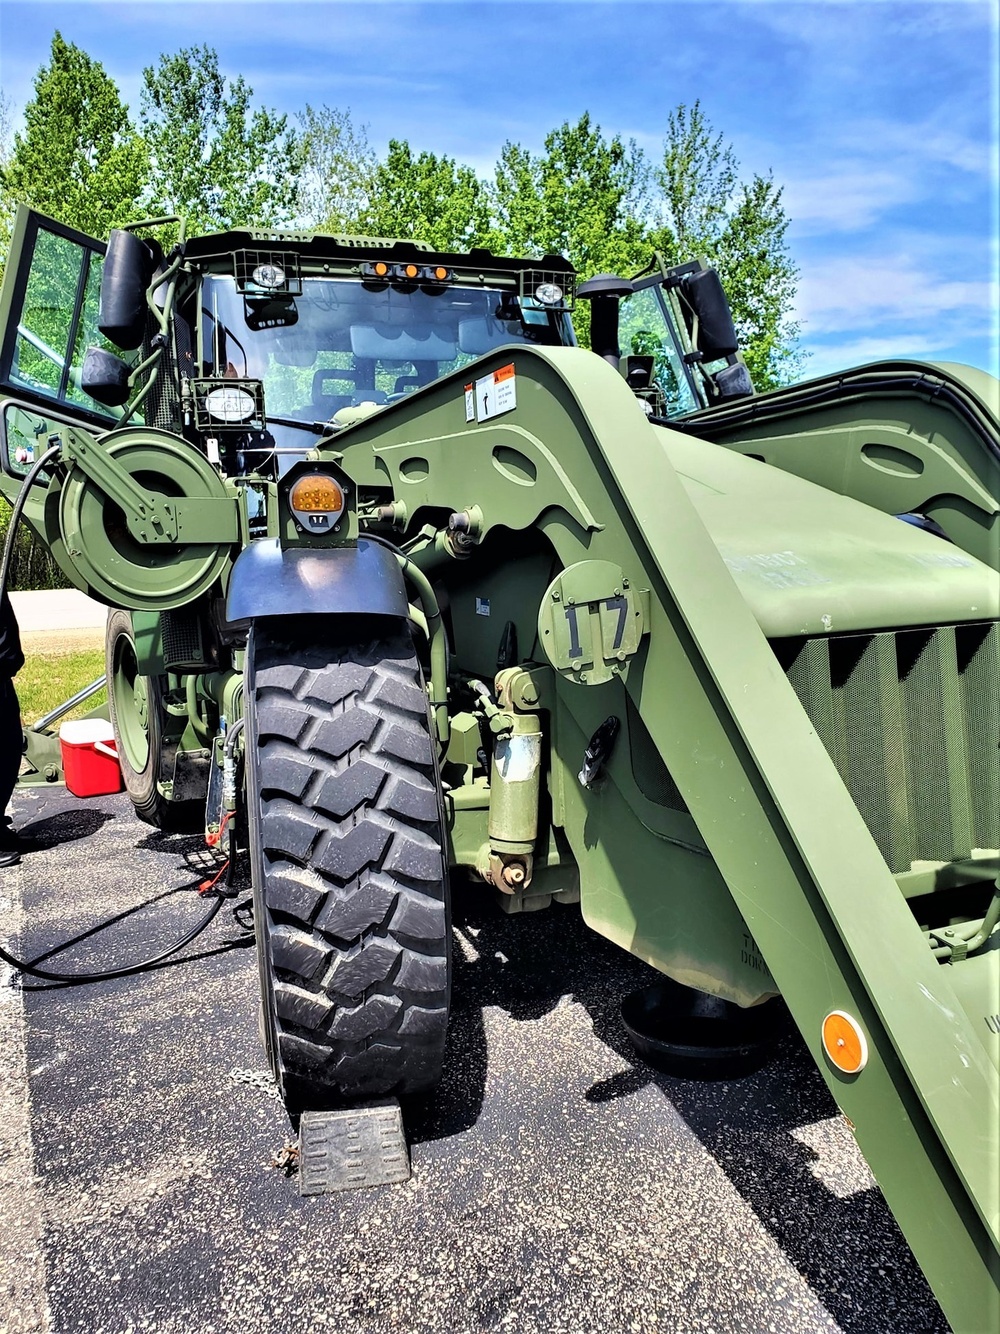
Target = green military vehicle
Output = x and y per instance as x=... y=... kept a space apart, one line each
x=403 y=580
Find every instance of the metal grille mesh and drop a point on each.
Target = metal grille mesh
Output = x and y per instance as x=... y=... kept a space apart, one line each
x=912 y=722
x=183 y=645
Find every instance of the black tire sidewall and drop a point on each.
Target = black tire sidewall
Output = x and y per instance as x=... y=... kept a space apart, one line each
x=140 y=784
x=151 y=806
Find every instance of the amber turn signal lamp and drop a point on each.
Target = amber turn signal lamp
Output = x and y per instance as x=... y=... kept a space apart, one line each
x=316 y=494
x=844 y=1042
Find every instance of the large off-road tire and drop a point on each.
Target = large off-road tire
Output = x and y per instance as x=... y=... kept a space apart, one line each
x=349 y=867
x=135 y=703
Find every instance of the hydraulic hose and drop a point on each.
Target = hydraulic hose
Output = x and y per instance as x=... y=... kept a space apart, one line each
x=436 y=634
x=30 y=967
x=18 y=509
x=107 y=974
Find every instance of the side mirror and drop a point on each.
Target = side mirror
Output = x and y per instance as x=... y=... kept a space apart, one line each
x=733 y=381
x=127 y=273
x=715 y=335
x=604 y=292
x=105 y=377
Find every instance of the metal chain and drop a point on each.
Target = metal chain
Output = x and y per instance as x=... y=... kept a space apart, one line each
x=262 y=1080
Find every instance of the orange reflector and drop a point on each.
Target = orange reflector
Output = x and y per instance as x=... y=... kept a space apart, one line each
x=411 y=271
x=316 y=494
x=381 y=269
x=440 y=274
x=844 y=1042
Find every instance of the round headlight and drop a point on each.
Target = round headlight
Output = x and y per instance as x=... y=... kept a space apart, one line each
x=229 y=404
x=549 y=294
x=269 y=276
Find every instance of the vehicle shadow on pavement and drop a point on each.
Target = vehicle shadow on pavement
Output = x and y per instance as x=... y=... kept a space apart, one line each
x=63 y=827
x=774 y=1133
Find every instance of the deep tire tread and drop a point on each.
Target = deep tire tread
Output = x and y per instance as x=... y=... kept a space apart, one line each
x=350 y=862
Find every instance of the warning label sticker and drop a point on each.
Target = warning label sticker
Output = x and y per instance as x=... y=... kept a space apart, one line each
x=470 y=402
x=495 y=394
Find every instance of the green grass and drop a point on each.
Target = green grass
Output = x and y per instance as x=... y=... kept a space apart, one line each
x=46 y=679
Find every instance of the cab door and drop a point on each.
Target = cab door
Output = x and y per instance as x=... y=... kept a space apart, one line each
x=48 y=319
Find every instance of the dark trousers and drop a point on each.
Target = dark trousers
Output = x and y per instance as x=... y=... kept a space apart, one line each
x=10 y=742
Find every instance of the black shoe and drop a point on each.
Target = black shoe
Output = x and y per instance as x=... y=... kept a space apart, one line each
x=9 y=858
x=10 y=840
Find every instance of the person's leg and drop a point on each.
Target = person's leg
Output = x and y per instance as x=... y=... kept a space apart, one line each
x=10 y=764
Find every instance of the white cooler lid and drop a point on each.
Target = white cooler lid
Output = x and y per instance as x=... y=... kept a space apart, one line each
x=85 y=731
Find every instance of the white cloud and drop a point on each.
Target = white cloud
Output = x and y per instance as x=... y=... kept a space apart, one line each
x=849 y=197
x=816 y=25
x=825 y=358
x=912 y=296
x=842 y=294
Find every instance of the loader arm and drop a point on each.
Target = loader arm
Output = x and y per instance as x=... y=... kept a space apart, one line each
x=576 y=459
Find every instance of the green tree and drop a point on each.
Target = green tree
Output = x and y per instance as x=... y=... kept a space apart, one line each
x=338 y=173
x=79 y=158
x=6 y=202
x=427 y=198
x=214 y=159
x=584 y=197
x=704 y=209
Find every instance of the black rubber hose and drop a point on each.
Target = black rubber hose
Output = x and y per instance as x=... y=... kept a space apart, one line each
x=22 y=966
x=107 y=974
x=17 y=510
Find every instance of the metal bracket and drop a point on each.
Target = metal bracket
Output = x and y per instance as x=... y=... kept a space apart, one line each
x=352 y=1148
x=151 y=519
x=86 y=453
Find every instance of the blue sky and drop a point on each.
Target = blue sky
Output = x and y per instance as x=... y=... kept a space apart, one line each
x=879 y=119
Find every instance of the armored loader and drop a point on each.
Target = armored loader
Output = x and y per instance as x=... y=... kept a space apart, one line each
x=401 y=580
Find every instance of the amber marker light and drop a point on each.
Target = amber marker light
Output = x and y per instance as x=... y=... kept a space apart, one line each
x=316 y=494
x=439 y=273
x=844 y=1042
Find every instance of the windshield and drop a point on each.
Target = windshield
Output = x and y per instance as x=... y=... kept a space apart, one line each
x=645 y=329
x=343 y=342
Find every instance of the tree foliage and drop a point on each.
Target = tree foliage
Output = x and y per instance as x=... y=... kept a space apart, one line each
x=599 y=201
x=583 y=197
x=78 y=158
x=704 y=209
x=204 y=150
x=427 y=197
x=213 y=158
x=338 y=173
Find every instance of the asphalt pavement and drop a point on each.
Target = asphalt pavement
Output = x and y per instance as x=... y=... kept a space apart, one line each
x=559 y=1184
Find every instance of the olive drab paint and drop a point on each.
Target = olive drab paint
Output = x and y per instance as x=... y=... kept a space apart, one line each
x=721 y=667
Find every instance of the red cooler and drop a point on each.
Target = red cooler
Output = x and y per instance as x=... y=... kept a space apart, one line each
x=89 y=759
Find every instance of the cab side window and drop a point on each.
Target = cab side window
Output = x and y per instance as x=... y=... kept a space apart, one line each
x=53 y=281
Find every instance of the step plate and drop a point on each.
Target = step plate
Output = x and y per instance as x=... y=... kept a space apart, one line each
x=352 y=1148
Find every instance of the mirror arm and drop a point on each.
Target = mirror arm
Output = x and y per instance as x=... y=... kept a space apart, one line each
x=162 y=317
